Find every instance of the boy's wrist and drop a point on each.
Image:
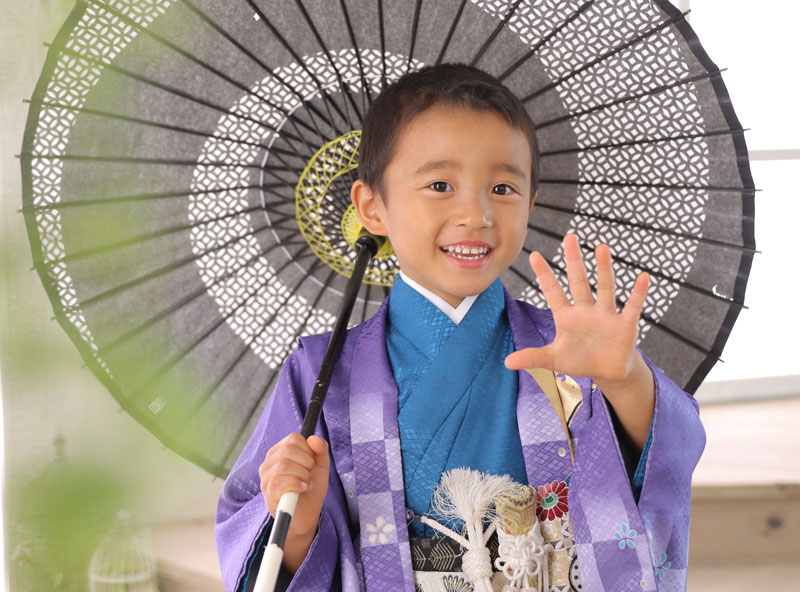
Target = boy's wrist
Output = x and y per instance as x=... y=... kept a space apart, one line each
x=633 y=401
x=638 y=384
x=296 y=548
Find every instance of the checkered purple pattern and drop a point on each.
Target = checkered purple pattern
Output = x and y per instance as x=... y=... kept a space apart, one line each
x=376 y=454
x=541 y=433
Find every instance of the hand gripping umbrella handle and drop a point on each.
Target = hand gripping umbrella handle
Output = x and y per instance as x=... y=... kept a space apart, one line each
x=367 y=246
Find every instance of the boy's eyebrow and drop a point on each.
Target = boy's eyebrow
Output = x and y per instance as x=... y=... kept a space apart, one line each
x=434 y=165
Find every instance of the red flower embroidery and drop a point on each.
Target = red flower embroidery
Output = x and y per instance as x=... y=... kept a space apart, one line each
x=552 y=501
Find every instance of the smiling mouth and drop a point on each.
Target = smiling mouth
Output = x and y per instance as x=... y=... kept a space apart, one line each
x=466 y=253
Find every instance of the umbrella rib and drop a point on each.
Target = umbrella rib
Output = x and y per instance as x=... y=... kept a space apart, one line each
x=148 y=236
x=632 y=265
x=150 y=123
x=450 y=32
x=248 y=344
x=164 y=161
x=706 y=134
x=644 y=315
x=345 y=88
x=366 y=95
x=271 y=169
x=495 y=33
x=275 y=372
x=658 y=185
x=653 y=91
x=382 y=34
x=59 y=205
x=310 y=106
x=526 y=279
x=169 y=89
x=323 y=93
x=605 y=56
x=125 y=337
x=656 y=229
x=157 y=273
x=201 y=63
x=414 y=27
x=266 y=389
x=341 y=194
x=535 y=49
x=172 y=361
x=182 y=94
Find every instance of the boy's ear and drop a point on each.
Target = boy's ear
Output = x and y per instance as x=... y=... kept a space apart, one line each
x=533 y=200
x=369 y=207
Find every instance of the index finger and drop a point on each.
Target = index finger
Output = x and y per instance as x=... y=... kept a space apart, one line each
x=548 y=283
x=633 y=307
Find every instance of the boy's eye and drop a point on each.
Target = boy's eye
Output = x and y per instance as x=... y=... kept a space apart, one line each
x=504 y=189
x=441 y=186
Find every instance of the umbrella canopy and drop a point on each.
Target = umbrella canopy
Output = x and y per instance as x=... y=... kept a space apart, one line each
x=187 y=165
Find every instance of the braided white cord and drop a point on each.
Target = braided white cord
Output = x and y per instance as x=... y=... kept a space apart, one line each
x=476 y=564
x=444 y=530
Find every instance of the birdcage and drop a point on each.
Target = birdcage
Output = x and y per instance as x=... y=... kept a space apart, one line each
x=124 y=560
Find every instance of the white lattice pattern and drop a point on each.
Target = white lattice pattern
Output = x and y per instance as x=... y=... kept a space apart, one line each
x=648 y=63
x=101 y=36
x=254 y=294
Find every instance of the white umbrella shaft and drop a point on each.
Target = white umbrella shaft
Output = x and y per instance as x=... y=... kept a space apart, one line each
x=273 y=554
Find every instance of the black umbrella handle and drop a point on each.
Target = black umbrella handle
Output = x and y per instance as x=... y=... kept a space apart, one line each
x=367 y=246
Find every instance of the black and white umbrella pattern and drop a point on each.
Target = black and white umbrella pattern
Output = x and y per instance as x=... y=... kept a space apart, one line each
x=216 y=143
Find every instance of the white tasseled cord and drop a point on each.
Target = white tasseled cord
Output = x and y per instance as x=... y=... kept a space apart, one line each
x=468 y=495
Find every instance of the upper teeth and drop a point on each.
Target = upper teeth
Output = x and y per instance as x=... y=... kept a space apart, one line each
x=466 y=250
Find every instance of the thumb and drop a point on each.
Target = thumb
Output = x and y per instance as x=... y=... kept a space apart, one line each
x=531 y=357
x=320 y=449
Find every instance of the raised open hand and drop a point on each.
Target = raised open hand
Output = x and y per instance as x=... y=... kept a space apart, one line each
x=592 y=338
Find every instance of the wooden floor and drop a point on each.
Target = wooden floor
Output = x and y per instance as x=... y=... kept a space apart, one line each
x=781 y=577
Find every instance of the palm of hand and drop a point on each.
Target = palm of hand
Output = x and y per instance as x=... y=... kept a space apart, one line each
x=592 y=339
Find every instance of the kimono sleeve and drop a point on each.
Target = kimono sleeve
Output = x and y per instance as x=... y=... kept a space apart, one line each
x=678 y=439
x=243 y=521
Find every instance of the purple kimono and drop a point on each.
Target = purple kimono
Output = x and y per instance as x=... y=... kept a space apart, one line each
x=363 y=541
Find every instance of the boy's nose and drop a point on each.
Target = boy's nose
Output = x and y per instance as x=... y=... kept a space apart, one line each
x=475 y=211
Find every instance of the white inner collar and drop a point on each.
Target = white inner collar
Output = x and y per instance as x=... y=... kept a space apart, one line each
x=456 y=314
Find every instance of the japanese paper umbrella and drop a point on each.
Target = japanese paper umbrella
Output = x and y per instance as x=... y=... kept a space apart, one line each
x=187 y=166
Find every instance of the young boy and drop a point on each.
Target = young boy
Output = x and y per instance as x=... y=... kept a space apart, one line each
x=448 y=168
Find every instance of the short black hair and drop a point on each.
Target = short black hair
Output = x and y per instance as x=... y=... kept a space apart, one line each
x=457 y=85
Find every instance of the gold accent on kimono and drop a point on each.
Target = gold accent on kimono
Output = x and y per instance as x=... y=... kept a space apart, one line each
x=564 y=395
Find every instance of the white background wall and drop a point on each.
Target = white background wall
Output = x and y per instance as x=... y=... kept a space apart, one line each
x=759 y=44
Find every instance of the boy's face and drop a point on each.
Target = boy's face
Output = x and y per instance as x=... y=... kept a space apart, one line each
x=459 y=181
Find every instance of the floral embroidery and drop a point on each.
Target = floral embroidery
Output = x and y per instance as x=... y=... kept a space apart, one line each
x=379 y=530
x=625 y=537
x=552 y=501
x=661 y=564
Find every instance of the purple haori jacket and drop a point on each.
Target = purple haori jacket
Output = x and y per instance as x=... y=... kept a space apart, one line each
x=362 y=539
